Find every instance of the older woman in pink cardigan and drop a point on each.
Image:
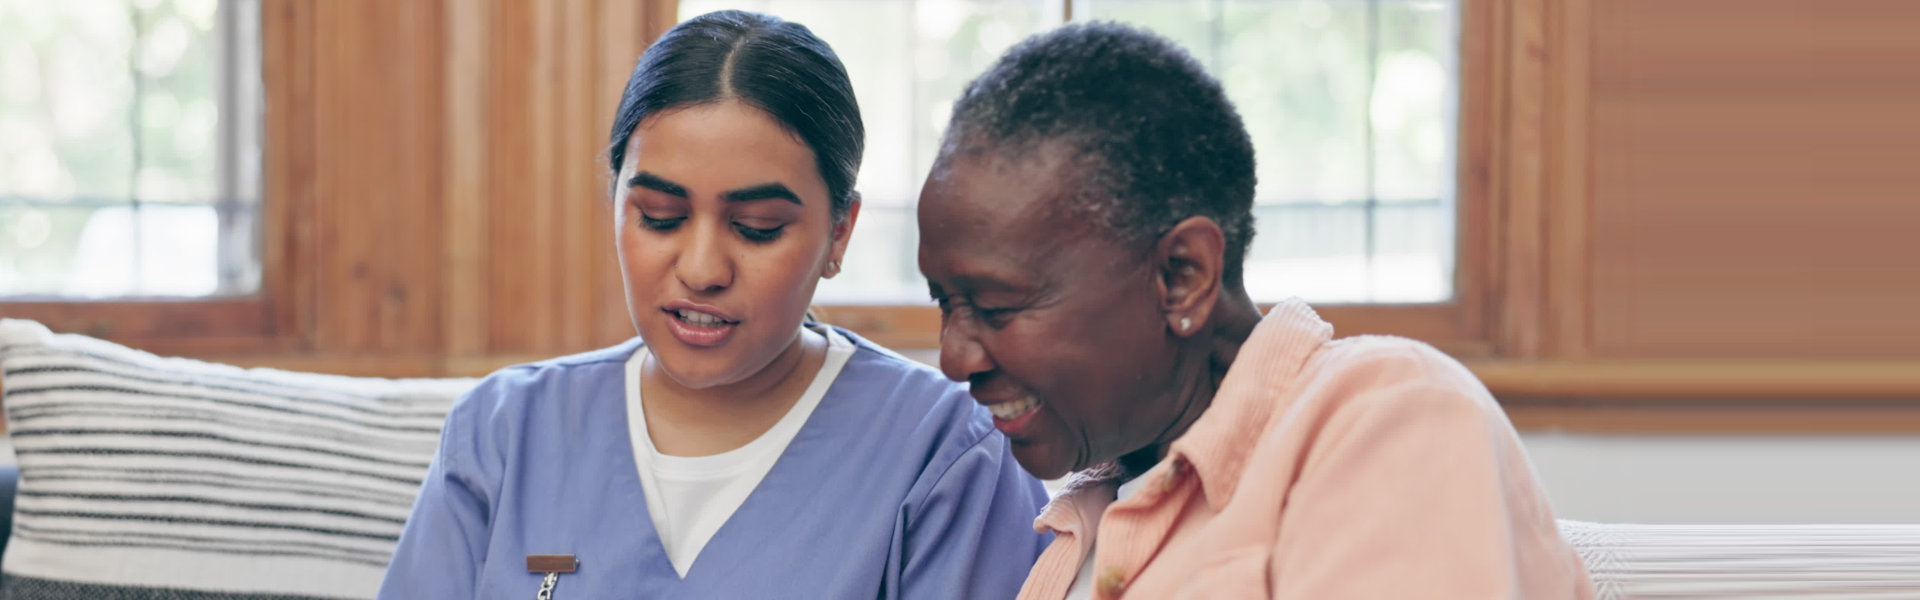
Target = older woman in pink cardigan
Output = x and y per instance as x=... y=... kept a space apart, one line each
x=1083 y=231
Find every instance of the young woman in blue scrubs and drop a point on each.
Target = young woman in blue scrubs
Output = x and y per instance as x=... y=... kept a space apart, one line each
x=733 y=450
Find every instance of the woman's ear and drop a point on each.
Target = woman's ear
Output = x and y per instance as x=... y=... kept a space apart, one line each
x=841 y=234
x=1188 y=261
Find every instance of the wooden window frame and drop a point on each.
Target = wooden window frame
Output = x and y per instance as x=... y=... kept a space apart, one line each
x=265 y=321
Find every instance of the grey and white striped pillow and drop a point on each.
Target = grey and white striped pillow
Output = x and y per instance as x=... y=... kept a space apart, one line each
x=150 y=477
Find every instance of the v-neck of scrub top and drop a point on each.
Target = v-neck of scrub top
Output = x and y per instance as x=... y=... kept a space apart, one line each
x=690 y=498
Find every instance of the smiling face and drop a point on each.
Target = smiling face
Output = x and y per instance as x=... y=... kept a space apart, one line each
x=1057 y=327
x=724 y=229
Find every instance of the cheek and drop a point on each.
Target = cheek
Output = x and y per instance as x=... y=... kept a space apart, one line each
x=635 y=260
x=785 y=276
x=1053 y=360
x=1084 y=365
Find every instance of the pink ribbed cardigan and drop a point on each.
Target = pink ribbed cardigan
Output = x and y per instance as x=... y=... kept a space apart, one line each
x=1368 y=467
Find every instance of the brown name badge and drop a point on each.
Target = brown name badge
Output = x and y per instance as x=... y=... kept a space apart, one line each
x=553 y=565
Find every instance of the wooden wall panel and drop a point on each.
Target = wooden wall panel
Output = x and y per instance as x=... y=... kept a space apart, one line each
x=287 y=232
x=519 y=232
x=549 y=234
x=619 y=50
x=465 y=130
x=377 y=188
x=1756 y=190
x=578 y=176
x=617 y=54
x=536 y=95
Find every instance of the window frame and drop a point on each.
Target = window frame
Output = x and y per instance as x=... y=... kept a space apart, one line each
x=266 y=320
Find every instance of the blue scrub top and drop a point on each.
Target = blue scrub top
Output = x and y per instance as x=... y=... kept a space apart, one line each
x=896 y=487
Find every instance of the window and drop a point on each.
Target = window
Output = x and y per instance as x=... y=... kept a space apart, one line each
x=1351 y=104
x=130 y=148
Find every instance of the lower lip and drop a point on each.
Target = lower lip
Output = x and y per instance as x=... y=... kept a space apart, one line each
x=695 y=335
x=1017 y=424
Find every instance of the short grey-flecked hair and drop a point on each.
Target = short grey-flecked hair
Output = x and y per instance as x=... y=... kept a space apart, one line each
x=1155 y=136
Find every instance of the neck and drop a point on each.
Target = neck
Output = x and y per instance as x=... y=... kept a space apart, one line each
x=696 y=422
x=1203 y=363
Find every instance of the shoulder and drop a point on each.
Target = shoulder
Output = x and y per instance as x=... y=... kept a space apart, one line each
x=509 y=393
x=902 y=386
x=1373 y=375
x=914 y=404
x=1381 y=360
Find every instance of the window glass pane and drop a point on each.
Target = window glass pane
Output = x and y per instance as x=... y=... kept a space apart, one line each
x=908 y=61
x=129 y=147
x=1350 y=104
x=1351 y=107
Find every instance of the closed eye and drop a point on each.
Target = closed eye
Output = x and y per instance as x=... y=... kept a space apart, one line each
x=994 y=317
x=759 y=235
x=660 y=224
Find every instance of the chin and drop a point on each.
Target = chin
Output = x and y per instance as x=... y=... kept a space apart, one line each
x=695 y=373
x=1042 y=467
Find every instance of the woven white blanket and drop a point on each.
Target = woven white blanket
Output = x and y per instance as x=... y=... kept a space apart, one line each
x=1749 y=561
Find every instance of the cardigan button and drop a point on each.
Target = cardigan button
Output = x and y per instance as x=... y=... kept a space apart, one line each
x=1113 y=582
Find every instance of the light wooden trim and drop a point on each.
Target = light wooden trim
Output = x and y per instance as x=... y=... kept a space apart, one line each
x=1568 y=143
x=1821 y=381
x=1519 y=63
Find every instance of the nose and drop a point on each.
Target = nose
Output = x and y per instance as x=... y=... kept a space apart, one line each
x=703 y=265
x=961 y=354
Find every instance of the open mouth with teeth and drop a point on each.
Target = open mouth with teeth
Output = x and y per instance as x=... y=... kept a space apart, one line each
x=1013 y=411
x=700 y=319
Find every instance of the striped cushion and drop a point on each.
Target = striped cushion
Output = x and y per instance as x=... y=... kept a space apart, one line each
x=149 y=477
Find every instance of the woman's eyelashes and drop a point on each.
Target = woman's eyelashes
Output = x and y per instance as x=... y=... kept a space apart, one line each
x=758 y=235
x=660 y=224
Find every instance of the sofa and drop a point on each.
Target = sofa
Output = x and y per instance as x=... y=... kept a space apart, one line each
x=148 y=477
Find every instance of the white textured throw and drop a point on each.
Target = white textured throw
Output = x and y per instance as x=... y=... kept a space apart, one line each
x=205 y=480
x=1749 y=561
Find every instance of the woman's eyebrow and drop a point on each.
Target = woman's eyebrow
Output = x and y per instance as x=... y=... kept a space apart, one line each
x=655 y=183
x=762 y=192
